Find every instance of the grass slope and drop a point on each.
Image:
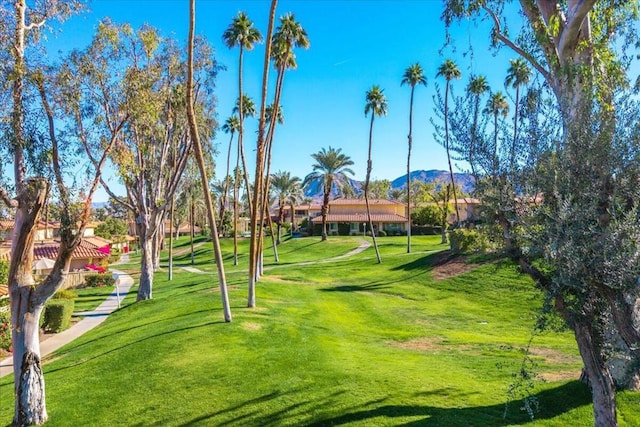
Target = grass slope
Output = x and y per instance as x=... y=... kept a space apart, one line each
x=348 y=342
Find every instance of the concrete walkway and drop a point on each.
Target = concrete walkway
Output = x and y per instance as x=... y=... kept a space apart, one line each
x=90 y=319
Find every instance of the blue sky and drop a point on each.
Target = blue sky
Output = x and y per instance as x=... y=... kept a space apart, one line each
x=354 y=45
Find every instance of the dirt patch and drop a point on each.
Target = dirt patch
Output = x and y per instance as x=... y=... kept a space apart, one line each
x=251 y=326
x=560 y=375
x=554 y=357
x=446 y=265
x=420 y=344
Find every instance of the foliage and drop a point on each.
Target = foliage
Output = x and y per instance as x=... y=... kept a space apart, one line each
x=465 y=240
x=5 y=329
x=426 y=215
x=65 y=294
x=4 y=271
x=99 y=280
x=57 y=314
x=111 y=227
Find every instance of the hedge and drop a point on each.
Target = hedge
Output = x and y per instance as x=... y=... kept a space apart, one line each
x=57 y=314
x=99 y=280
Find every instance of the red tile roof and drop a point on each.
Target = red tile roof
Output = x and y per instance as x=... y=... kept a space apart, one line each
x=50 y=250
x=362 y=202
x=361 y=217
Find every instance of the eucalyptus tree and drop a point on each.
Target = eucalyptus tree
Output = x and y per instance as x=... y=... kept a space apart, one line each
x=376 y=104
x=261 y=150
x=449 y=70
x=518 y=75
x=296 y=195
x=157 y=137
x=243 y=34
x=576 y=240
x=194 y=133
x=329 y=170
x=37 y=108
x=230 y=126
x=284 y=186
x=413 y=76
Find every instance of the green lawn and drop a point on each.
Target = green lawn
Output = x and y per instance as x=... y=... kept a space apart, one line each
x=348 y=342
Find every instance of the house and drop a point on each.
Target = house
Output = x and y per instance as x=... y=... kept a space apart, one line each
x=84 y=255
x=349 y=216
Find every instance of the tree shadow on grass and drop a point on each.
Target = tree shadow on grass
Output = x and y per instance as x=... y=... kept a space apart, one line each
x=427 y=262
x=553 y=402
x=356 y=288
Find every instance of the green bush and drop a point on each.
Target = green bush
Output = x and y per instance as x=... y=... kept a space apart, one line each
x=65 y=294
x=463 y=240
x=5 y=330
x=99 y=280
x=4 y=271
x=57 y=314
x=114 y=255
x=382 y=233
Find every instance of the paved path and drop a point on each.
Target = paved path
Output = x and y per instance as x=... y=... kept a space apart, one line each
x=90 y=320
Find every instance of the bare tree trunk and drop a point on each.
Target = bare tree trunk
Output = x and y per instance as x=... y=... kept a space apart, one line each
x=146 y=266
x=410 y=141
x=171 y=219
x=366 y=191
x=446 y=136
x=600 y=381
x=192 y=231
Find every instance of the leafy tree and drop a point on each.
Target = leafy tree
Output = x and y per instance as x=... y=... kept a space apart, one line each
x=33 y=142
x=413 y=76
x=376 y=104
x=449 y=70
x=518 y=75
x=284 y=186
x=199 y=153
x=380 y=188
x=111 y=227
x=573 y=231
x=477 y=87
x=330 y=169
x=426 y=215
x=496 y=106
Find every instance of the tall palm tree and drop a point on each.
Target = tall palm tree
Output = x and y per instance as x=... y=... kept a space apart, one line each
x=330 y=169
x=283 y=185
x=243 y=34
x=197 y=145
x=496 y=106
x=295 y=196
x=518 y=75
x=476 y=88
x=376 y=104
x=245 y=107
x=449 y=70
x=231 y=126
x=413 y=76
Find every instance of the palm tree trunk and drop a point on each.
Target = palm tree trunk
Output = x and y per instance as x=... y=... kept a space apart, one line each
x=225 y=190
x=446 y=133
x=241 y=132
x=512 y=159
x=193 y=128
x=254 y=245
x=366 y=190
x=410 y=140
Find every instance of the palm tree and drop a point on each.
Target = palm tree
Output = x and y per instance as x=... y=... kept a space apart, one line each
x=496 y=105
x=449 y=70
x=376 y=104
x=197 y=145
x=476 y=88
x=231 y=125
x=330 y=169
x=518 y=75
x=295 y=196
x=283 y=185
x=413 y=76
x=243 y=34
x=248 y=107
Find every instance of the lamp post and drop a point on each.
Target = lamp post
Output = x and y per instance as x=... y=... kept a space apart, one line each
x=364 y=225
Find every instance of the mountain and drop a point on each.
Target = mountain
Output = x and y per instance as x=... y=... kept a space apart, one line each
x=464 y=180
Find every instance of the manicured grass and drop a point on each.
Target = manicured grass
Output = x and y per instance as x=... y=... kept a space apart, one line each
x=348 y=342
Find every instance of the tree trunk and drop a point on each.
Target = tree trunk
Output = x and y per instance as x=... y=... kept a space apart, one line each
x=30 y=406
x=366 y=190
x=602 y=388
x=409 y=142
x=446 y=136
x=146 y=267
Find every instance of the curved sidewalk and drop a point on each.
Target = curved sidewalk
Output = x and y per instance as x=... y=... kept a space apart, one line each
x=90 y=320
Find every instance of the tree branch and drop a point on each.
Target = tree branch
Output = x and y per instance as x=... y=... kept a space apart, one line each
x=12 y=203
x=570 y=34
x=498 y=33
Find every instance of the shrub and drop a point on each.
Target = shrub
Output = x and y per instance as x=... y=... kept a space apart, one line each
x=463 y=240
x=99 y=280
x=4 y=271
x=382 y=233
x=64 y=294
x=114 y=256
x=5 y=330
x=57 y=314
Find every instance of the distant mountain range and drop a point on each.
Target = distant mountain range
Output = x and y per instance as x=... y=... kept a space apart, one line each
x=464 y=180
